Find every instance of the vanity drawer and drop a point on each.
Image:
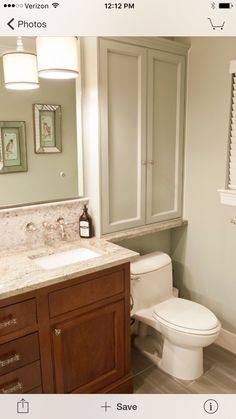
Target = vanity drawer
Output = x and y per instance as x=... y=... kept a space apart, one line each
x=85 y=293
x=17 y=316
x=18 y=352
x=22 y=380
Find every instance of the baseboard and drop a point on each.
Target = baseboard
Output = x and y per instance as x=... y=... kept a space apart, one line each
x=227 y=340
x=122 y=386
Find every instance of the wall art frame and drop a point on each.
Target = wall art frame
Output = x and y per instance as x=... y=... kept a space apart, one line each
x=13 y=155
x=47 y=128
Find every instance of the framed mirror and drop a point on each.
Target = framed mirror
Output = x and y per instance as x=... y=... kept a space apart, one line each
x=53 y=172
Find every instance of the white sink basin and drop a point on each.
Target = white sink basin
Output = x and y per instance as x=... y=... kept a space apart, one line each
x=65 y=258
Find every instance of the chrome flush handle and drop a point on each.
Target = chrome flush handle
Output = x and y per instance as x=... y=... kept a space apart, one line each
x=135 y=277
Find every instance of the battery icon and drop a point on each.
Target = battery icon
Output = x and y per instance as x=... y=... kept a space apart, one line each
x=225 y=5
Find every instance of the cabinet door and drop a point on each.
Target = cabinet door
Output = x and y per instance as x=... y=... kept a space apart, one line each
x=123 y=135
x=166 y=91
x=89 y=350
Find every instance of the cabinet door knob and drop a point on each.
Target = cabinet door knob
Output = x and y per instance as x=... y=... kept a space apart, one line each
x=57 y=332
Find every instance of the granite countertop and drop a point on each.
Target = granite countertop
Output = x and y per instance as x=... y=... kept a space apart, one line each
x=19 y=273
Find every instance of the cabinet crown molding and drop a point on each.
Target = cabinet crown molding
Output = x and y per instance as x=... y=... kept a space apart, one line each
x=154 y=42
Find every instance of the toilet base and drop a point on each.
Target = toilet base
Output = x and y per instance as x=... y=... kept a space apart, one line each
x=182 y=363
x=149 y=347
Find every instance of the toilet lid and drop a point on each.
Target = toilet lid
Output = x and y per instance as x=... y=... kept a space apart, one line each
x=186 y=314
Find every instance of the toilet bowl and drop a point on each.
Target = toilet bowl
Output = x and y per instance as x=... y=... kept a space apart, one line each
x=179 y=328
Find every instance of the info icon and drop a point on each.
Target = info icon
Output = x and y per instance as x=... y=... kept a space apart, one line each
x=211 y=406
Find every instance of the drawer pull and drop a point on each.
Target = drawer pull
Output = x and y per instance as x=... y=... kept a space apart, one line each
x=9 y=322
x=13 y=358
x=16 y=387
x=57 y=332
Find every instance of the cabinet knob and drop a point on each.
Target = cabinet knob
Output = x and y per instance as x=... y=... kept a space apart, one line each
x=57 y=332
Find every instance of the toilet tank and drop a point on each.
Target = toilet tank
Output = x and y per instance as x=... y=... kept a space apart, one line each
x=151 y=280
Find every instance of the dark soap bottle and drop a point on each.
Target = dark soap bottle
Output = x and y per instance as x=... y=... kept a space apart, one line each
x=85 y=224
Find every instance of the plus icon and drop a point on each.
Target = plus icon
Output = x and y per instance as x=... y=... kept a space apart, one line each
x=105 y=407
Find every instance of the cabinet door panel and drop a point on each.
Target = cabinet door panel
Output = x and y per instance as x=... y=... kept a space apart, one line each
x=89 y=351
x=166 y=80
x=123 y=134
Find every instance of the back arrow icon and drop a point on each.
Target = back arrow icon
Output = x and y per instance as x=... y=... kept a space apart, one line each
x=9 y=24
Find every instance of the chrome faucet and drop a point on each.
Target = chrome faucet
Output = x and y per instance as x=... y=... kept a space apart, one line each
x=61 y=225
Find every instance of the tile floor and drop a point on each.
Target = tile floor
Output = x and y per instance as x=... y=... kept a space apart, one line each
x=219 y=376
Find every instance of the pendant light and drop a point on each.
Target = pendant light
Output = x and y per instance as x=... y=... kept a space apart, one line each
x=20 y=69
x=57 y=57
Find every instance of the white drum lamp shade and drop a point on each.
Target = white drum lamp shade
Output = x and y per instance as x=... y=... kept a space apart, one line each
x=20 y=70
x=57 y=57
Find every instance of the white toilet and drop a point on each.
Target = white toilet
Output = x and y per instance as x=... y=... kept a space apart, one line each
x=186 y=327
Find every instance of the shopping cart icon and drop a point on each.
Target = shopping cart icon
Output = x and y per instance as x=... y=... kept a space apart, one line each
x=214 y=27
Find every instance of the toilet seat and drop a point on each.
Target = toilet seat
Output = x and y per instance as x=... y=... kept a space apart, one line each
x=186 y=316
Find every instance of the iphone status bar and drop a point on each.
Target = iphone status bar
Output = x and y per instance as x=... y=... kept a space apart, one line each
x=121 y=18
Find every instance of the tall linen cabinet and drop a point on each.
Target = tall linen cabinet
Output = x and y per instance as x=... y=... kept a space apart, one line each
x=133 y=130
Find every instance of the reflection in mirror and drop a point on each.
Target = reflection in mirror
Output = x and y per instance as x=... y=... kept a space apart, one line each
x=50 y=176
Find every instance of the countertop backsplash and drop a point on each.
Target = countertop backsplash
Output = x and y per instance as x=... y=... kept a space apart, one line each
x=13 y=222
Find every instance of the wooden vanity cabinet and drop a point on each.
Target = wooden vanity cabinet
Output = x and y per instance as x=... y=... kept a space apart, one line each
x=78 y=340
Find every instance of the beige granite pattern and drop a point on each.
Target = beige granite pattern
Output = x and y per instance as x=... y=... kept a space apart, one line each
x=13 y=223
x=19 y=273
x=144 y=230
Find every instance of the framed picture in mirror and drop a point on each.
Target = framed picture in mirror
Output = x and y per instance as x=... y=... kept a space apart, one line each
x=47 y=128
x=13 y=156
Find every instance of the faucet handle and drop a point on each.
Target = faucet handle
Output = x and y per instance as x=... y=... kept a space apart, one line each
x=48 y=226
x=61 y=221
x=30 y=227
